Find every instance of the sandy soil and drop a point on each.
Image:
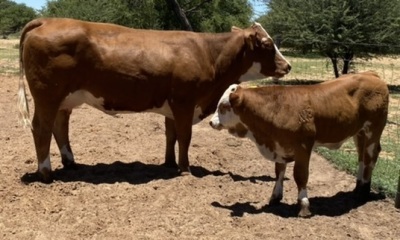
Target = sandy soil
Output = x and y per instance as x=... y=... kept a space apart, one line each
x=120 y=191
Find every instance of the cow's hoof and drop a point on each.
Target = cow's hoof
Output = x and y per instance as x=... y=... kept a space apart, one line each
x=170 y=164
x=69 y=165
x=275 y=200
x=184 y=171
x=46 y=176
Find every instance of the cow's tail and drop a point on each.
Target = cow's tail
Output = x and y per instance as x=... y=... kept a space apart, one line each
x=23 y=107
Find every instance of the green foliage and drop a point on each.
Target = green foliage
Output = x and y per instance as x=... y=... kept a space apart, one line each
x=13 y=17
x=339 y=29
x=131 y=13
x=204 y=15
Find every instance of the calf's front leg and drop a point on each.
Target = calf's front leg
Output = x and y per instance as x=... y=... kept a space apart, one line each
x=277 y=193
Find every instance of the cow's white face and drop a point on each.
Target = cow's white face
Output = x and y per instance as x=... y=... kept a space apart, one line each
x=224 y=117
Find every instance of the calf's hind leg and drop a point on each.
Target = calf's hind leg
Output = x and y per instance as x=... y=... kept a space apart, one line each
x=368 y=148
x=61 y=135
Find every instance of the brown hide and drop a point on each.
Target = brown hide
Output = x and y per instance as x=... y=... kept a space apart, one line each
x=324 y=113
x=135 y=70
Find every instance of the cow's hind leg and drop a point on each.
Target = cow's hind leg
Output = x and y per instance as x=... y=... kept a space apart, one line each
x=60 y=132
x=170 y=134
x=42 y=125
x=277 y=193
x=368 y=148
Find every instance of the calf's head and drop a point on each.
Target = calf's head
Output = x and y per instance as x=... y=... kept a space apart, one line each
x=225 y=117
x=262 y=49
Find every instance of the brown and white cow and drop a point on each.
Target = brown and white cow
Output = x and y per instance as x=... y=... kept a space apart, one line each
x=116 y=69
x=287 y=122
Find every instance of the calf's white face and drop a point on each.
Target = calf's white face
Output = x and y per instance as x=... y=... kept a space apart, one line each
x=224 y=117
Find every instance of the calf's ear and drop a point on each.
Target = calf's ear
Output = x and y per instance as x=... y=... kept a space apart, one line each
x=234 y=99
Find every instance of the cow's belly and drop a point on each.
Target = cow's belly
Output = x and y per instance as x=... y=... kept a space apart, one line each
x=80 y=97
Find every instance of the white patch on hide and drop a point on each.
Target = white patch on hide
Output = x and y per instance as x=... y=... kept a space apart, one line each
x=64 y=151
x=45 y=164
x=303 y=197
x=197 y=113
x=370 y=150
x=278 y=189
x=164 y=110
x=80 y=97
x=361 y=168
x=229 y=119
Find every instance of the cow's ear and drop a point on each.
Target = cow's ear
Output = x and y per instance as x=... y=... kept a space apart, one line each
x=250 y=39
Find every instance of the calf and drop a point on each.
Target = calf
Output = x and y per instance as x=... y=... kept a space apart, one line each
x=287 y=122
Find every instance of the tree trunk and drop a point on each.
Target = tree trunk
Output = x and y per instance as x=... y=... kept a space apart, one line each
x=335 y=67
x=346 y=62
x=181 y=14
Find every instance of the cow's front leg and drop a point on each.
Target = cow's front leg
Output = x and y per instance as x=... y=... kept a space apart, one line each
x=170 y=134
x=300 y=173
x=277 y=194
x=60 y=132
x=183 y=115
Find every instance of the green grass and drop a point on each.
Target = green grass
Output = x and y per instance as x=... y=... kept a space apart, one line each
x=9 y=59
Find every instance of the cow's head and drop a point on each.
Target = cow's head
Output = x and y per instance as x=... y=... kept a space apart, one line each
x=225 y=117
x=262 y=49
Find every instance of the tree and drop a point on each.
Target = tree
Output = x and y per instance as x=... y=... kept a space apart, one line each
x=200 y=15
x=338 y=29
x=130 y=13
x=13 y=16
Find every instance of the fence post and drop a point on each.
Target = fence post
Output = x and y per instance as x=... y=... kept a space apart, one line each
x=397 y=200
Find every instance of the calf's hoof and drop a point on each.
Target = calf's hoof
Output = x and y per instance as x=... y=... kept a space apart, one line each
x=362 y=191
x=304 y=208
x=305 y=213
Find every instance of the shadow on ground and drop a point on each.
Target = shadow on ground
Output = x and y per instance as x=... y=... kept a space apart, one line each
x=333 y=206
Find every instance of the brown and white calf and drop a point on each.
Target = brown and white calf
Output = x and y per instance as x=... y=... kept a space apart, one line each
x=287 y=122
x=116 y=69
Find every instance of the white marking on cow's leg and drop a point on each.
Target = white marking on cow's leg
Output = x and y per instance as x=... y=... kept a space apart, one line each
x=304 y=203
x=68 y=154
x=370 y=150
x=45 y=166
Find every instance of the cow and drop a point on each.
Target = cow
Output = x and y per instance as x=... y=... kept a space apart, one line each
x=287 y=122
x=116 y=69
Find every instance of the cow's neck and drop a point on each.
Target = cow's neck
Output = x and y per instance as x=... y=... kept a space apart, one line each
x=230 y=63
x=228 y=53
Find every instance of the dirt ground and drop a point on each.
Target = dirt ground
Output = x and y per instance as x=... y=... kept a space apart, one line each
x=120 y=191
